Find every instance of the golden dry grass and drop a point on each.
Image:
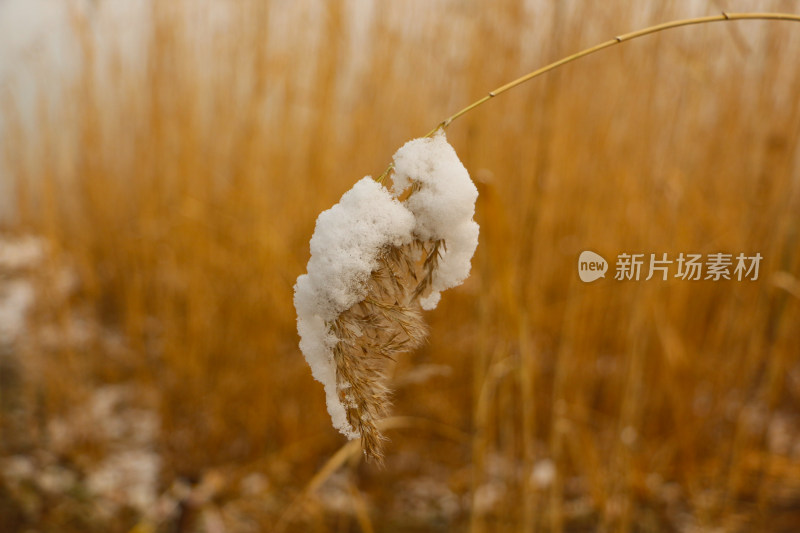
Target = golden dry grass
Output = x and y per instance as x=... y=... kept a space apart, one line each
x=182 y=193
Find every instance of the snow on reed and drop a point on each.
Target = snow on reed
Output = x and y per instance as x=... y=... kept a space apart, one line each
x=443 y=207
x=375 y=262
x=344 y=252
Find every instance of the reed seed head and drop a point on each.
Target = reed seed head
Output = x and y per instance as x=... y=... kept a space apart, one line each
x=376 y=263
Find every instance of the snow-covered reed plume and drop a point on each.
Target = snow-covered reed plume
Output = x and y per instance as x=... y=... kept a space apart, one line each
x=376 y=262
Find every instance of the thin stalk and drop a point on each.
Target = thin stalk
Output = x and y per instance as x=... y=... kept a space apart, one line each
x=589 y=51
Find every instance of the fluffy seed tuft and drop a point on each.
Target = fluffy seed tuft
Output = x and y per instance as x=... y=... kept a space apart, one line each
x=378 y=258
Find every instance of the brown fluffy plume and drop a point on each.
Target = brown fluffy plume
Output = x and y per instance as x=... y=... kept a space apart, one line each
x=387 y=322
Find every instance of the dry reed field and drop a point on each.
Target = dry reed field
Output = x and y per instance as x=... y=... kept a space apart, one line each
x=163 y=173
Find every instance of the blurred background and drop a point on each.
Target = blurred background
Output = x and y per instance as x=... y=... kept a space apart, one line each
x=163 y=164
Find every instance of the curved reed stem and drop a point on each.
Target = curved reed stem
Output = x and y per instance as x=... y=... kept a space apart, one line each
x=724 y=16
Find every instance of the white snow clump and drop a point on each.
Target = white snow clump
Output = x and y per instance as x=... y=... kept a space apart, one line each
x=443 y=207
x=349 y=236
x=344 y=251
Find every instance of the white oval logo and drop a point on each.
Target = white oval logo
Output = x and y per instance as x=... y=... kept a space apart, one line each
x=591 y=266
